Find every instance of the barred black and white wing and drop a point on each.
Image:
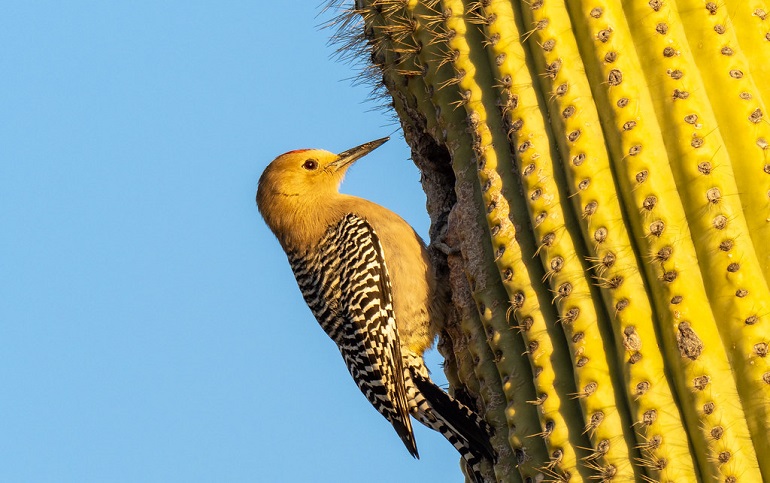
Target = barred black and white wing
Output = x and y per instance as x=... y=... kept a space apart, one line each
x=346 y=285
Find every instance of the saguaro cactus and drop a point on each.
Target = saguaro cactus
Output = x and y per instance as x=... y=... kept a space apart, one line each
x=598 y=178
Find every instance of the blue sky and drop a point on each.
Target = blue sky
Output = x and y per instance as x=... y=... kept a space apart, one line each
x=150 y=326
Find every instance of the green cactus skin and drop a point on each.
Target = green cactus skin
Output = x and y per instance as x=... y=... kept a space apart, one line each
x=610 y=156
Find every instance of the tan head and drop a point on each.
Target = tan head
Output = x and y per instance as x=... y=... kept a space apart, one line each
x=295 y=185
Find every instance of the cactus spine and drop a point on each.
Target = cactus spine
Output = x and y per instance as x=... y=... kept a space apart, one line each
x=607 y=237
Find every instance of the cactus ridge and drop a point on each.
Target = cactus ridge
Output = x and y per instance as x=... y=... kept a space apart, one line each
x=733 y=86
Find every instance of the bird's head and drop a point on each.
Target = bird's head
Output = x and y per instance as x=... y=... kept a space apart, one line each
x=305 y=172
x=304 y=176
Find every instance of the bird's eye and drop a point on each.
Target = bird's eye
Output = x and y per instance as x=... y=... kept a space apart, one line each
x=310 y=164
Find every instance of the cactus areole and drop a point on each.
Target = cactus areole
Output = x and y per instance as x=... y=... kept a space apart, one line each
x=598 y=180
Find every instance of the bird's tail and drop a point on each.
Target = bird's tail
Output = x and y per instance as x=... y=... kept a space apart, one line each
x=460 y=425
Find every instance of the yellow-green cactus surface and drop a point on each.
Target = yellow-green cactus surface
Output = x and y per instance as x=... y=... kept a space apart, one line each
x=609 y=239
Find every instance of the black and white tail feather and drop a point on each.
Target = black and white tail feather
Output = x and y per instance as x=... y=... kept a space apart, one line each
x=344 y=281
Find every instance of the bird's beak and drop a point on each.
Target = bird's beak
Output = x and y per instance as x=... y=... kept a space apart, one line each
x=347 y=157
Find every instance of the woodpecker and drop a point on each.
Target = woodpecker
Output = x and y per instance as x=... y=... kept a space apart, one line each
x=367 y=278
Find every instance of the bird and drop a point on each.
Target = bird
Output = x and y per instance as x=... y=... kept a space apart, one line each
x=366 y=276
